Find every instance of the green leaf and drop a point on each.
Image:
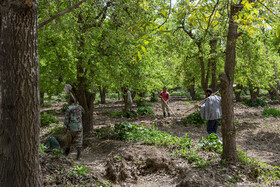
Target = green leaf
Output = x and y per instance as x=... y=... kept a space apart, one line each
x=143 y=49
x=139 y=55
x=277 y=33
x=164 y=13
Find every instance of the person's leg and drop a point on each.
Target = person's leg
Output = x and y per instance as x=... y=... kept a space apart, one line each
x=69 y=139
x=210 y=125
x=78 y=142
x=167 y=109
x=163 y=108
x=215 y=126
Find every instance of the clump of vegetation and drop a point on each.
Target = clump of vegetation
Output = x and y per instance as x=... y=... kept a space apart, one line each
x=271 y=112
x=144 y=110
x=46 y=105
x=129 y=131
x=260 y=170
x=121 y=114
x=56 y=129
x=79 y=170
x=211 y=143
x=42 y=148
x=248 y=102
x=194 y=118
x=187 y=103
x=141 y=103
x=154 y=99
x=46 y=119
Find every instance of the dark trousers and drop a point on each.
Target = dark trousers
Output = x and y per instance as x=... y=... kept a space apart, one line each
x=212 y=126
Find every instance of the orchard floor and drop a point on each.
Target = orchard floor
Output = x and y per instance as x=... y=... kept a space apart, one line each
x=152 y=166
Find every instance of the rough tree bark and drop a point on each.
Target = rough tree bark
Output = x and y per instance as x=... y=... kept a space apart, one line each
x=254 y=93
x=213 y=64
x=19 y=94
x=102 y=92
x=227 y=79
x=191 y=89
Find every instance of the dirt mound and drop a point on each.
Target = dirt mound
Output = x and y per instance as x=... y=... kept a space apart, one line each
x=128 y=164
x=60 y=171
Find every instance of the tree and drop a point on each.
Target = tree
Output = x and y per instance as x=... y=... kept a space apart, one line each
x=19 y=94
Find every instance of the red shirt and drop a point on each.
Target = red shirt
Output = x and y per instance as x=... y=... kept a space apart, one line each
x=164 y=95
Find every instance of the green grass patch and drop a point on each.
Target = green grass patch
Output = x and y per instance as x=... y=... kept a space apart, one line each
x=187 y=103
x=248 y=102
x=47 y=119
x=194 y=119
x=271 y=112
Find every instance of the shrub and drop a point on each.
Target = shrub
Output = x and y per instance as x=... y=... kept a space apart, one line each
x=271 y=112
x=42 y=148
x=194 y=118
x=47 y=119
x=248 y=102
x=121 y=114
x=140 y=103
x=211 y=143
x=79 y=170
x=56 y=129
x=144 y=111
x=154 y=99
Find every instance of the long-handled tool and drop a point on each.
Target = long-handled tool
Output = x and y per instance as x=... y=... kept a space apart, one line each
x=201 y=102
x=178 y=120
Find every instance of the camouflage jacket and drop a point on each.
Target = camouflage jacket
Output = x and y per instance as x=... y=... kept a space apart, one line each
x=73 y=118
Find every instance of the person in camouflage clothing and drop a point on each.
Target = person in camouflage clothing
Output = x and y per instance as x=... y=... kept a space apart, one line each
x=73 y=127
x=128 y=102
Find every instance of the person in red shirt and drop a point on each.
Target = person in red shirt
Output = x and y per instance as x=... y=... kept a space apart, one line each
x=164 y=95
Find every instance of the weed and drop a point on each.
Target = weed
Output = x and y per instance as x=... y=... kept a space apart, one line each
x=144 y=111
x=57 y=152
x=79 y=170
x=47 y=119
x=42 y=148
x=187 y=103
x=121 y=114
x=140 y=103
x=248 y=102
x=211 y=143
x=271 y=112
x=154 y=99
x=55 y=129
x=194 y=118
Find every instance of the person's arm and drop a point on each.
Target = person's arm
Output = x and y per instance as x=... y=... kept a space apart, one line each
x=168 y=97
x=160 y=95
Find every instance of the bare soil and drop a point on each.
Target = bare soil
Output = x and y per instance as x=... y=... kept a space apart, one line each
x=136 y=164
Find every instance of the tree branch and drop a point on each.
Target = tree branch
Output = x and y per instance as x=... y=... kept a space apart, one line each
x=43 y=23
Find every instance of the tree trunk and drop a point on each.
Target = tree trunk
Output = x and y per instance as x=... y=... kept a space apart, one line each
x=227 y=80
x=274 y=91
x=213 y=64
x=85 y=98
x=191 y=89
x=102 y=92
x=19 y=95
x=119 y=96
x=238 y=91
x=254 y=93
x=204 y=78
